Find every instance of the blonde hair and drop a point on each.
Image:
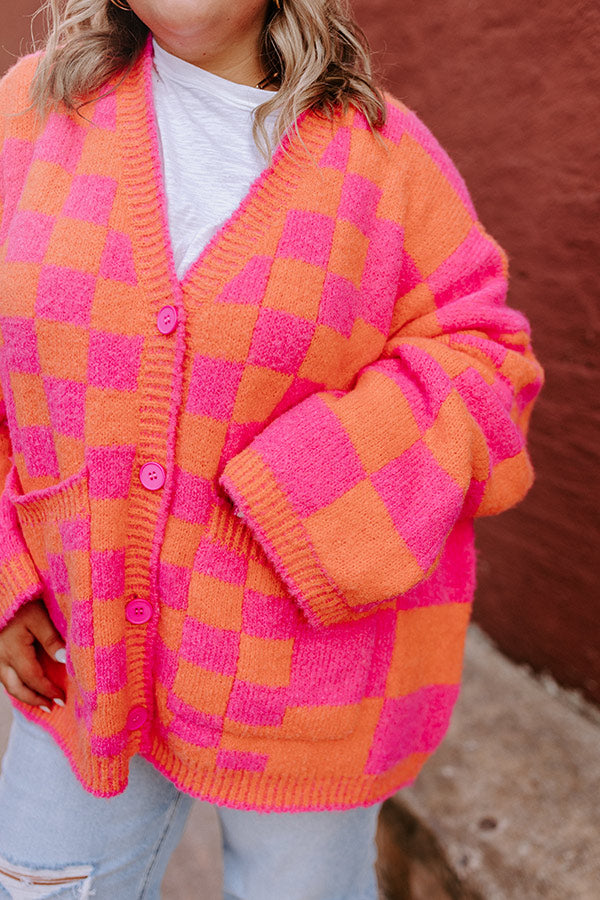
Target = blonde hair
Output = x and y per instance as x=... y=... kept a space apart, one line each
x=312 y=49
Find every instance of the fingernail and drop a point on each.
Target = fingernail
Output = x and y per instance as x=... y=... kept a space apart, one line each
x=61 y=655
x=59 y=702
x=45 y=708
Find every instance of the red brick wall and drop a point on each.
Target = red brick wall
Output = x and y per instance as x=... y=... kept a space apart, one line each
x=511 y=89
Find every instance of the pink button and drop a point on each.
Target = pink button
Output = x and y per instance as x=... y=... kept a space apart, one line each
x=152 y=476
x=138 y=611
x=137 y=717
x=167 y=320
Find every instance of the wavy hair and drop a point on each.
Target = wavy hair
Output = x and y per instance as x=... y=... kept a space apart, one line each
x=313 y=50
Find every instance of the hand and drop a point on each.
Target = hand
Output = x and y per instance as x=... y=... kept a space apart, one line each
x=26 y=642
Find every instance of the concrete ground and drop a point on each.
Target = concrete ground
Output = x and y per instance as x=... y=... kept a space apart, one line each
x=508 y=808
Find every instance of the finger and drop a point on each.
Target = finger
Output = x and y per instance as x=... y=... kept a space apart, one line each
x=15 y=687
x=29 y=670
x=40 y=624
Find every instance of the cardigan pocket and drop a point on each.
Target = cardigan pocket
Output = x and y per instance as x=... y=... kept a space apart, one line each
x=55 y=523
x=254 y=666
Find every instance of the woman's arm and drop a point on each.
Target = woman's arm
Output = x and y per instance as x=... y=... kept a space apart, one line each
x=352 y=495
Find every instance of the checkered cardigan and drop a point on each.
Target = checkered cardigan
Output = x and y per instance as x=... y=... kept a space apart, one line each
x=342 y=389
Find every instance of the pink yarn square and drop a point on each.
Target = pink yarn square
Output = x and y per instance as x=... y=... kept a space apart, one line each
x=75 y=533
x=192 y=497
x=359 y=201
x=193 y=725
x=15 y=158
x=91 y=198
x=108 y=574
x=114 y=360
x=311 y=455
x=280 y=340
x=29 y=236
x=239 y=435
x=503 y=438
x=453 y=579
x=109 y=746
x=61 y=141
x=211 y=648
x=256 y=704
x=271 y=617
x=59 y=574
x=242 y=761
x=66 y=405
x=307 y=236
x=81 y=625
x=110 y=471
x=423 y=501
x=117 y=259
x=340 y=304
x=20 y=345
x=39 y=451
x=213 y=387
x=413 y=724
x=65 y=295
x=395 y=126
x=165 y=663
x=219 y=561
x=111 y=668
x=173 y=584
x=330 y=668
x=105 y=112
x=382 y=274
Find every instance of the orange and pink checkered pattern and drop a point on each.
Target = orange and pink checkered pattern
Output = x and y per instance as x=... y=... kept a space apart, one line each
x=342 y=391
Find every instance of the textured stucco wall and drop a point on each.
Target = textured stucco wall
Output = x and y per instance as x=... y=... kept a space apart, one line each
x=511 y=90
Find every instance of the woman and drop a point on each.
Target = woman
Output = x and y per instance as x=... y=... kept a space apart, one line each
x=251 y=409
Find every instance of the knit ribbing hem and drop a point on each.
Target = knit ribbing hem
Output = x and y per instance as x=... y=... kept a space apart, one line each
x=233 y=788
x=275 y=792
x=284 y=541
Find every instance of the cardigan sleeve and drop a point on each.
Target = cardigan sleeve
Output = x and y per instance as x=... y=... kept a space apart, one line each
x=353 y=494
x=19 y=578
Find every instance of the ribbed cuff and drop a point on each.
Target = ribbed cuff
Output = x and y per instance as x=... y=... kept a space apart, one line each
x=281 y=534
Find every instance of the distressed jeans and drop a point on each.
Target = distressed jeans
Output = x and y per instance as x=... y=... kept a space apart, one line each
x=57 y=840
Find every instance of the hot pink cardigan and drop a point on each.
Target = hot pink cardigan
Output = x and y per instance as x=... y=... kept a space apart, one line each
x=247 y=498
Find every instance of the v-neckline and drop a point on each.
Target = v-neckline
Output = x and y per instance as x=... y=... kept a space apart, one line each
x=144 y=181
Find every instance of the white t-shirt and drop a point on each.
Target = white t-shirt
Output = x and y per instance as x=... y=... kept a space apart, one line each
x=208 y=153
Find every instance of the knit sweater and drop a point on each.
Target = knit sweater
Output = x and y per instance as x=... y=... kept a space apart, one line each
x=247 y=497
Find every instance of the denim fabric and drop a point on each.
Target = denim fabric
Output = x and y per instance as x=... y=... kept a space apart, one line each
x=79 y=846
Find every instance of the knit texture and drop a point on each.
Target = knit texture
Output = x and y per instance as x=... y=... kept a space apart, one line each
x=344 y=391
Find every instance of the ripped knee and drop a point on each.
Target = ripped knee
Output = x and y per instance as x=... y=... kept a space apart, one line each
x=29 y=883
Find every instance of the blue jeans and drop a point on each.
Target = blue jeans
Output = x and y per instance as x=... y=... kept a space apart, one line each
x=57 y=840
